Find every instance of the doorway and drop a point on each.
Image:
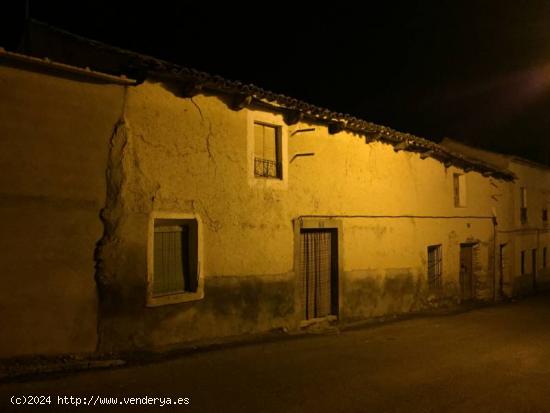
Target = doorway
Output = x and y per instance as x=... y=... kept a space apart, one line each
x=502 y=269
x=534 y=268
x=319 y=272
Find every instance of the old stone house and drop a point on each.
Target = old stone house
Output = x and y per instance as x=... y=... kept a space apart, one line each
x=147 y=205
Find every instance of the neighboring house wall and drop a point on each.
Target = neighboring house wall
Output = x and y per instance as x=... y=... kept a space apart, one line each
x=532 y=235
x=195 y=157
x=54 y=138
x=514 y=233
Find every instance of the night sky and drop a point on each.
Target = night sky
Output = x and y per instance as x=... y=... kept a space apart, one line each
x=475 y=71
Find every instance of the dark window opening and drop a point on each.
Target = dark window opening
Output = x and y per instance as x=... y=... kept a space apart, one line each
x=175 y=256
x=267 y=151
x=523 y=215
x=434 y=267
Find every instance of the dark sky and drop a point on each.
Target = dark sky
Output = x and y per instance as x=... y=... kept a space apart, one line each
x=476 y=71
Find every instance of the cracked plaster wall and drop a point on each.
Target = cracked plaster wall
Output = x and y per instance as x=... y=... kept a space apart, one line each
x=190 y=156
x=78 y=148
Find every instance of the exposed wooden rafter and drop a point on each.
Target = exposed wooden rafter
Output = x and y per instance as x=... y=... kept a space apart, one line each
x=240 y=101
x=426 y=154
x=191 y=88
x=401 y=146
x=292 y=117
x=335 y=127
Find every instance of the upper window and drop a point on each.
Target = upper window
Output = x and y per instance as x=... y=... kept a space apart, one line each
x=523 y=205
x=174 y=274
x=459 y=186
x=544 y=215
x=267 y=151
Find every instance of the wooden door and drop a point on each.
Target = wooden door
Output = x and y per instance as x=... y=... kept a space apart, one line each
x=318 y=273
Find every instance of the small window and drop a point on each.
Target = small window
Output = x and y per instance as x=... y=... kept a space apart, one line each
x=174 y=261
x=523 y=205
x=267 y=151
x=459 y=186
x=434 y=267
x=522 y=262
x=544 y=257
x=523 y=215
x=545 y=215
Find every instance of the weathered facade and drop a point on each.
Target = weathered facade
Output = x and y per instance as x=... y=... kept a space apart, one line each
x=107 y=179
x=523 y=229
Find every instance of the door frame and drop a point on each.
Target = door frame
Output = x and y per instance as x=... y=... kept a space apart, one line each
x=503 y=267
x=534 y=259
x=320 y=224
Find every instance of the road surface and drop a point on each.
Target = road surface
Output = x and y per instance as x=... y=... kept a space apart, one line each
x=494 y=359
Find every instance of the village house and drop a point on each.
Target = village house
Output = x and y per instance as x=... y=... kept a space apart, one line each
x=148 y=205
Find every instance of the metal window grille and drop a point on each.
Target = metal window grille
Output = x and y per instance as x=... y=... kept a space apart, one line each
x=434 y=267
x=267 y=168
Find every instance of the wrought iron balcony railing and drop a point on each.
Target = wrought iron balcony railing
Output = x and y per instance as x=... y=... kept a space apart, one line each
x=267 y=168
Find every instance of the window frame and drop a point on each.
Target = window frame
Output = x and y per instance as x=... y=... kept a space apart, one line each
x=278 y=150
x=178 y=297
x=438 y=273
x=460 y=198
x=269 y=119
x=523 y=215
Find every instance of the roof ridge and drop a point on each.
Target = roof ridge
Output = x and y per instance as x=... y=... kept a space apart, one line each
x=400 y=140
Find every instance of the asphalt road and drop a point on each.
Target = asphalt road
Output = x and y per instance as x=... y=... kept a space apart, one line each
x=493 y=359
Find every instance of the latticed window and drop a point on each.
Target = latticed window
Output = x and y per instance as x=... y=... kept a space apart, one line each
x=434 y=267
x=175 y=257
x=267 y=151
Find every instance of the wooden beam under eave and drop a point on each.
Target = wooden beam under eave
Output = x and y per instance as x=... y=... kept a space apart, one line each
x=335 y=127
x=240 y=101
x=292 y=117
x=424 y=155
x=191 y=89
x=401 y=146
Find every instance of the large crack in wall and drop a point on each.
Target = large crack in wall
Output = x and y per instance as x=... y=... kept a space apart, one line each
x=112 y=215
